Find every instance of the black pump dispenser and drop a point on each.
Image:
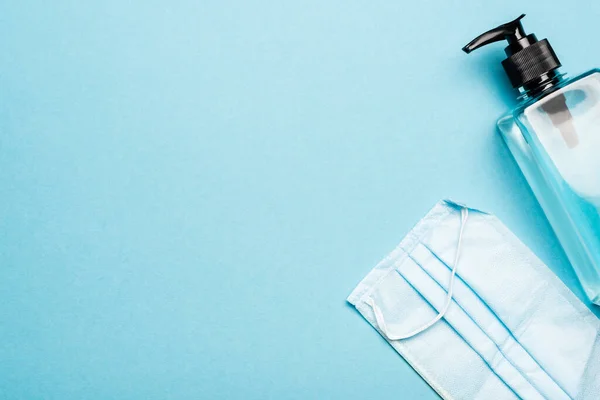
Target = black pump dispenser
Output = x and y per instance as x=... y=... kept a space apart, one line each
x=530 y=62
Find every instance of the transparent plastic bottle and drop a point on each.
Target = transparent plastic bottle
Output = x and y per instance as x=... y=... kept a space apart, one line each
x=554 y=136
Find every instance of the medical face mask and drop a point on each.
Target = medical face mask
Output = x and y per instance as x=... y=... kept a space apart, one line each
x=478 y=315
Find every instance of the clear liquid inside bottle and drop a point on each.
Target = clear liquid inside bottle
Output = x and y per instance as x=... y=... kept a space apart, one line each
x=555 y=139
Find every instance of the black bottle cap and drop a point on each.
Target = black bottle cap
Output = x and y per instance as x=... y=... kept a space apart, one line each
x=528 y=58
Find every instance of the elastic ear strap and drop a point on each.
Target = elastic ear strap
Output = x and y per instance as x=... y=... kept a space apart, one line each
x=464 y=213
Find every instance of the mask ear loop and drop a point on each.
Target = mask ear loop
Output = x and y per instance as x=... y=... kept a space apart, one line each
x=464 y=213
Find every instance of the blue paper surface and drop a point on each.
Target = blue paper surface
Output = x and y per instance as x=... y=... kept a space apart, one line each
x=190 y=189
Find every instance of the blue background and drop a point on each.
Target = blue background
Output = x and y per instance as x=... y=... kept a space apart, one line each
x=190 y=189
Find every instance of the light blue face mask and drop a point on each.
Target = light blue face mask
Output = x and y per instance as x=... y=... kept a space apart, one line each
x=478 y=315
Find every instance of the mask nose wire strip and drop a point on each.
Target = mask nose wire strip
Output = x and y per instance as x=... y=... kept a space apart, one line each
x=464 y=213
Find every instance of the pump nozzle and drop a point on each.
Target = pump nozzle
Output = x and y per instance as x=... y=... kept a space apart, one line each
x=511 y=31
x=531 y=64
x=528 y=59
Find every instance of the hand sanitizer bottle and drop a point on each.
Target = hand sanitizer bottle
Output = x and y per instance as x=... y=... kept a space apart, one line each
x=554 y=136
